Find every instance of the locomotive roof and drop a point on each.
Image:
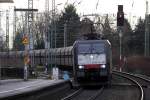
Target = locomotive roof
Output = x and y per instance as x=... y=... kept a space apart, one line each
x=93 y=41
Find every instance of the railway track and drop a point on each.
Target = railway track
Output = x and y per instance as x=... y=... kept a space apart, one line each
x=145 y=82
x=133 y=89
x=135 y=80
x=84 y=94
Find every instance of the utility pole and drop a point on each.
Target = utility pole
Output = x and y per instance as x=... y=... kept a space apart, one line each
x=30 y=24
x=47 y=35
x=30 y=32
x=53 y=22
x=120 y=42
x=47 y=24
x=53 y=28
x=146 y=31
x=65 y=31
x=7 y=31
x=1 y=58
x=55 y=71
x=14 y=29
x=0 y=22
x=30 y=17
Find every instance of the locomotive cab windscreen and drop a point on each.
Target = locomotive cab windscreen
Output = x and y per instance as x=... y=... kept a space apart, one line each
x=91 y=54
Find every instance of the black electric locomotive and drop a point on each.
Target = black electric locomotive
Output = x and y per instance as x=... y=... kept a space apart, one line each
x=92 y=62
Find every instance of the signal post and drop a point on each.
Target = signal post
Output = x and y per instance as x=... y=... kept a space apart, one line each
x=120 y=24
x=25 y=41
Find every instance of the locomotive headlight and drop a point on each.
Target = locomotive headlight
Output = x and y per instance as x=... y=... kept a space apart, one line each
x=91 y=56
x=81 y=67
x=103 y=66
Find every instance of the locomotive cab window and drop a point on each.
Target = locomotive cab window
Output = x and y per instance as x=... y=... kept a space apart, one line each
x=84 y=48
x=97 y=48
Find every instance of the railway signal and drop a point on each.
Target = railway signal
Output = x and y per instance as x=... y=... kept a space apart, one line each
x=120 y=24
x=120 y=16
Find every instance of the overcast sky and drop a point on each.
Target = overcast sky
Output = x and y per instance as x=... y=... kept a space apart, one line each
x=136 y=7
x=131 y=7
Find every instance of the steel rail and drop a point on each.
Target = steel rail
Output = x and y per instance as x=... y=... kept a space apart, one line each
x=97 y=94
x=140 y=87
x=93 y=97
x=72 y=95
x=138 y=76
